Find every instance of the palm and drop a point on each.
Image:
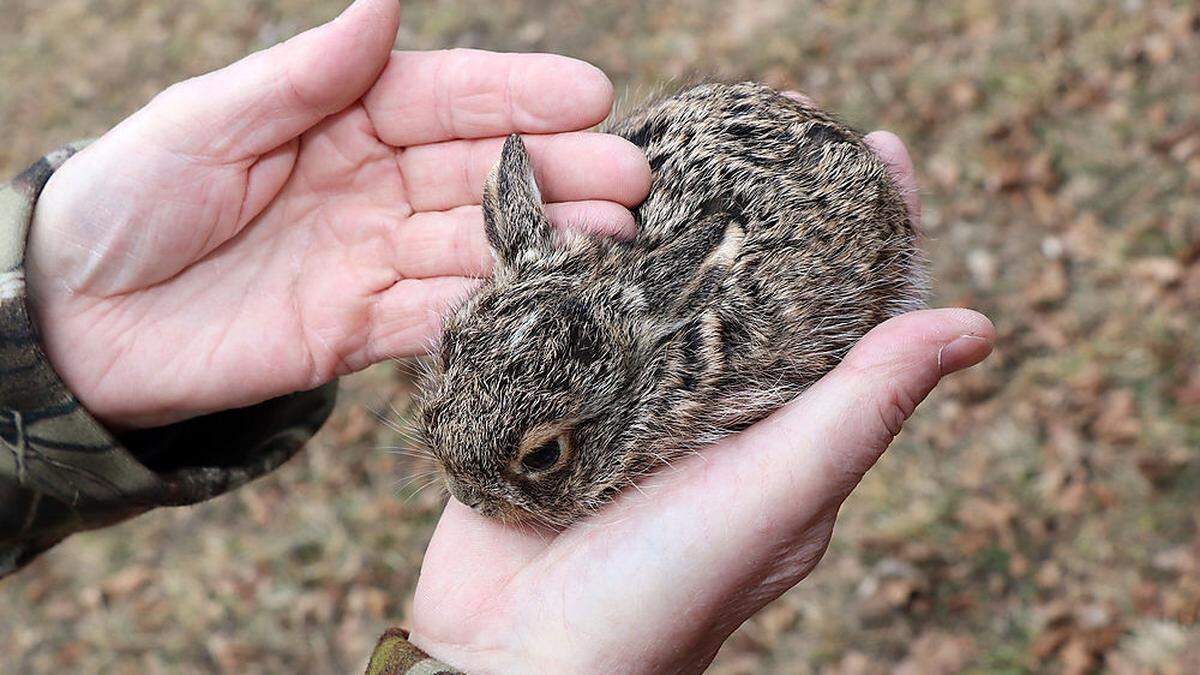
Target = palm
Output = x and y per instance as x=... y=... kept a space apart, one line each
x=295 y=298
x=309 y=230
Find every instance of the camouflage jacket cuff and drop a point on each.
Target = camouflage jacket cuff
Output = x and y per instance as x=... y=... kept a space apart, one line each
x=395 y=655
x=61 y=471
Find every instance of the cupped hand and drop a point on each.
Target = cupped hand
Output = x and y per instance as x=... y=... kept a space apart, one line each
x=657 y=580
x=301 y=214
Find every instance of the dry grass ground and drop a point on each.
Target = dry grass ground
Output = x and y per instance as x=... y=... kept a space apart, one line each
x=1040 y=514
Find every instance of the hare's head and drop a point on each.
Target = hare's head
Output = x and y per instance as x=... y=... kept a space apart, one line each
x=536 y=375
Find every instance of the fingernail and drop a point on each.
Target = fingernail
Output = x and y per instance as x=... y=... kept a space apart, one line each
x=962 y=352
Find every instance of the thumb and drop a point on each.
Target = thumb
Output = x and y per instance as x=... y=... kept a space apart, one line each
x=268 y=98
x=859 y=407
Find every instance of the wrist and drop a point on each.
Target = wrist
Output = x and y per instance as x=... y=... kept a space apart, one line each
x=572 y=654
x=68 y=324
x=474 y=659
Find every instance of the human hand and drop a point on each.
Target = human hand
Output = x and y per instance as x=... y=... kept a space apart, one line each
x=656 y=581
x=301 y=214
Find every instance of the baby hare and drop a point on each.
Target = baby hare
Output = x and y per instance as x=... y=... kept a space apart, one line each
x=773 y=238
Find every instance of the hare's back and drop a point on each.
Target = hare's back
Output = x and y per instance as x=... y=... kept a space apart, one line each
x=824 y=248
x=760 y=158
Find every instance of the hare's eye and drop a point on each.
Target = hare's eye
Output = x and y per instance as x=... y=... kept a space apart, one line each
x=542 y=457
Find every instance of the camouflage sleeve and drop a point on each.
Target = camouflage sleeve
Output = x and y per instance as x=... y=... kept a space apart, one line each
x=62 y=472
x=395 y=655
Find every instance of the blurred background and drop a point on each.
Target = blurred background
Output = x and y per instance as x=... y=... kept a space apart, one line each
x=1040 y=513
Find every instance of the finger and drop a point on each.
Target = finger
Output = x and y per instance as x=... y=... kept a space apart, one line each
x=264 y=179
x=268 y=98
x=406 y=319
x=595 y=217
x=819 y=446
x=895 y=155
x=847 y=419
x=452 y=243
x=426 y=97
x=568 y=167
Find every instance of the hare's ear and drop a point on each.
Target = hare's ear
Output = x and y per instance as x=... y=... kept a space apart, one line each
x=513 y=216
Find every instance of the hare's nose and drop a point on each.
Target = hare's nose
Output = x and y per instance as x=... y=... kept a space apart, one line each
x=469 y=497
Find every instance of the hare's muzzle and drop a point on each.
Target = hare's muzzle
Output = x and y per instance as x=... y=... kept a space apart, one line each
x=468 y=496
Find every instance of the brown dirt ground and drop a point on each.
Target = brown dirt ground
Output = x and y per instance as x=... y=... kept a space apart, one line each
x=1039 y=514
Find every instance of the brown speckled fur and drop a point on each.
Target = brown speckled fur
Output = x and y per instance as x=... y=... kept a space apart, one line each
x=772 y=240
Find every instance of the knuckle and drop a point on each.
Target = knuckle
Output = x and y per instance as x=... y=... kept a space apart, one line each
x=894 y=407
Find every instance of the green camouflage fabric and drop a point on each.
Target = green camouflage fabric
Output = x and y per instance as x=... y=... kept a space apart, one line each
x=61 y=471
x=395 y=655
